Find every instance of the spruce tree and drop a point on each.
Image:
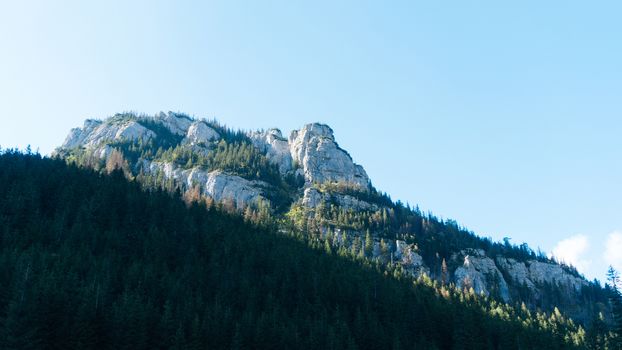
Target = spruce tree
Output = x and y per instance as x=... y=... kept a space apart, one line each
x=369 y=244
x=616 y=307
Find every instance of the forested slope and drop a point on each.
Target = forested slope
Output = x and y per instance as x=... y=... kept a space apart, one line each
x=91 y=261
x=308 y=184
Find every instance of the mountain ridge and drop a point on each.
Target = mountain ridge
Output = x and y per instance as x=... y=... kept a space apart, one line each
x=315 y=184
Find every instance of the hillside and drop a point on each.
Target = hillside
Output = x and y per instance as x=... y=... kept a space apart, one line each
x=92 y=261
x=308 y=184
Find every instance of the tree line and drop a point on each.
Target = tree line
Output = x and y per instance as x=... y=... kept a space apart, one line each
x=94 y=261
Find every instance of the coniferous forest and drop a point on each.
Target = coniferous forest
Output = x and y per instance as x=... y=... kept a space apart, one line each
x=94 y=261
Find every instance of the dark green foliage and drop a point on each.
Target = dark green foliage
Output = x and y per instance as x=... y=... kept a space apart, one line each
x=228 y=134
x=240 y=158
x=370 y=194
x=89 y=261
x=166 y=139
x=616 y=305
x=597 y=336
x=439 y=239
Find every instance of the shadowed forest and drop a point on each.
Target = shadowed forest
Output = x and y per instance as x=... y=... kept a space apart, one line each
x=93 y=261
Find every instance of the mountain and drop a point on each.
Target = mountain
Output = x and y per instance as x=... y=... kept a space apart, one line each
x=306 y=183
x=94 y=261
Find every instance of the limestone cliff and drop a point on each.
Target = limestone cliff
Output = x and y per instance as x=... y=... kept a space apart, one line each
x=311 y=152
x=321 y=158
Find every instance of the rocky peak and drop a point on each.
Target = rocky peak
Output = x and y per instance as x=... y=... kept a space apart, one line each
x=311 y=151
x=77 y=136
x=200 y=132
x=275 y=133
x=314 y=150
x=177 y=123
x=95 y=132
x=322 y=160
x=313 y=130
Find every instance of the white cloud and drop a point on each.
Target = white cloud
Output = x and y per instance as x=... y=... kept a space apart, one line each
x=571 y=251
x=613 y=250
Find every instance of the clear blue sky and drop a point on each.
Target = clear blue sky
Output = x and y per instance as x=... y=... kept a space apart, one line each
x=506 y=116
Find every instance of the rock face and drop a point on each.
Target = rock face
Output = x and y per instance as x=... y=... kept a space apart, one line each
x=314 y=150
x=275 y=147
x=77 y=136
x=321 y=159
x=94 y=133
x=200 y=133
x=221 y=186
x=481 y=273
x=350 y=202
x=517 y=271
x=410 y=260
x=215 y=184
x=311 y=151
x=534 y=273
x=313 y=197
x=177 y=123
x=554 y=274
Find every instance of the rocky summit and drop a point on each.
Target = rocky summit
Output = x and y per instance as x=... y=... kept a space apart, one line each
x=315 y=186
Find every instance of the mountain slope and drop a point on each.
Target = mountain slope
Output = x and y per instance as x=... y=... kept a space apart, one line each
x=311 y=185
x=91 y=261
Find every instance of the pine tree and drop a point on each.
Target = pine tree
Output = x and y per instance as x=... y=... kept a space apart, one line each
x=116 y=161
x=597 y=334
x=369 y=244
x=20 y=331
x=84 y=336
x=444 y=272
x=384 y=248
x=356 y=248
x=616 y=307
x=236 y=341
x=179 y=341
x=327 y=247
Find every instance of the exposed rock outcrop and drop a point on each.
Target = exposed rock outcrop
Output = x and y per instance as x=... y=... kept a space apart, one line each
x=177 y=123
x=242 y=192
x=216 y=184
x=312 y=148
x=554 y=274
x=199 y=132
x=321 y=159
x=410 y=260
x=77 y=136
x=350 y=202
x=517 y=270
x=275 y=146
x=481 y=273
x=532 y=273
x=313 y=197
x=95 y=133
